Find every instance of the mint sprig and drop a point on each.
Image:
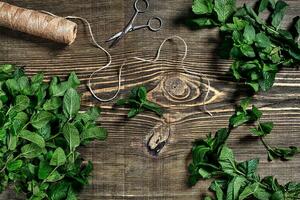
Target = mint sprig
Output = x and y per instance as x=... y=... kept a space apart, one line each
x=138 y=102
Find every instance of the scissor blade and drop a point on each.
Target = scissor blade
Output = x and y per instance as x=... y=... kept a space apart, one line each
x=114 y=37
x=116 y=41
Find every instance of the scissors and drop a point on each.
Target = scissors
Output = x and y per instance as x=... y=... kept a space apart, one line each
x=130 y=27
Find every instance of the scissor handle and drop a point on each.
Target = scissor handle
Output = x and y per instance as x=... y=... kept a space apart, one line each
x=141 y=10
x=150 y=24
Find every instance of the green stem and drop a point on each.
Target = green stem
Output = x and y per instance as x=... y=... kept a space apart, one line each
x=50 y=174
x=265 y=144
x=53 y=137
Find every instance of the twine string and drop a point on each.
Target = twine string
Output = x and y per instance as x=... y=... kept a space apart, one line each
x=101 y=68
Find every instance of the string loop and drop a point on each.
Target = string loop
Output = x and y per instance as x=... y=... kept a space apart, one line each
x=182 y=65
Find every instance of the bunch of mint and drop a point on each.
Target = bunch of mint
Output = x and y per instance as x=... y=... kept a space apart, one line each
x=259 y=47
x=41 y=130
x=233 y=180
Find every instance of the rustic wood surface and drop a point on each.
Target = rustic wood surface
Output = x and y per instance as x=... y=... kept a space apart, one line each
x=124 y=169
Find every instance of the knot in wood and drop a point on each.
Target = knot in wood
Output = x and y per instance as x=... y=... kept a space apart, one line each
x=175 y=86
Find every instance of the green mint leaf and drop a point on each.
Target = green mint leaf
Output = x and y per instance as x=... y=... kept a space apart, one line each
x=201 y=7
x=71 y=194
x=266 y=127
x=37 y=81
x=252 y=14
x=12 y=142
x=22 y=102
x=245 y=104
x=278 y=195
x=12 y=86
x=247 y=50
x=153 y=107
x=297 y=26
x=268 y=80
x=87 y=170
x=263 y=129
x=71 y=103
x=93 y=133
x=24 y=85
x=216 y=186
x=263 y=5
x=227 y=161
x=52 y=104
x=224 y=9
x=71 y=134
x=142 y=94
x=73 y=80
x=249 y=167
x=59 y=191
x=41 y=119
x=133 y=112
x=235 y=186
x=249 y=34
x=31 y=151
x=283 y=153
x=32 y=137
x=90 y=115
x=122 y=102
x=201 y=23
x=249 y=190
x=58 y=157
x=54 y=177
x=278 y=13
x=14 y=165
x=255 y=113
x=238 y=120
x=262 y=40
x=44 y=170
x=295 y=54
x=257 y=132
x=19 y=122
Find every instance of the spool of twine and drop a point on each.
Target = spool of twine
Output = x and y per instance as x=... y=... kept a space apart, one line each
x=39 y=24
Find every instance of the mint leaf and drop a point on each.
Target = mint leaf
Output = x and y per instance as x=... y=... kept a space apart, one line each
x=71 y=103
x=32 y=137
x=14 y=165
x=71 y=134
x=249 y=34
x=58 y=157
x=263 y=5
x=278 y=14
x=224 y=9
x=201 y=7
x=247 y=50
x=41 y=119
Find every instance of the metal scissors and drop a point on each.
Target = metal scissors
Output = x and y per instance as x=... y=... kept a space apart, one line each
x=130 y=27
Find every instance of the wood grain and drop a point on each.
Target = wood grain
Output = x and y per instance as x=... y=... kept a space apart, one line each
x=124 y=169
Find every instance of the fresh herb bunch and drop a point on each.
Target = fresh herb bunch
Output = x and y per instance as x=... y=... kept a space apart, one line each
x=138 y=103
x=233 y=180
x=41 y=130
x=258 y=47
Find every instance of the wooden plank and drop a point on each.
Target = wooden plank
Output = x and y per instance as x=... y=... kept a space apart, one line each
x=123 y=167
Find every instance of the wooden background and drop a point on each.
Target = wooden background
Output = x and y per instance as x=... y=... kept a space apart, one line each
x=124 y=169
